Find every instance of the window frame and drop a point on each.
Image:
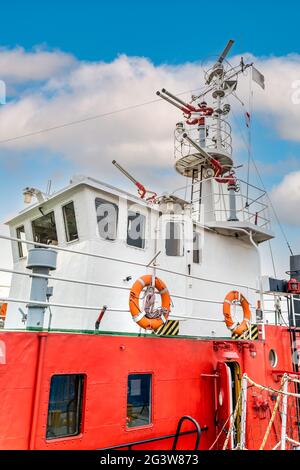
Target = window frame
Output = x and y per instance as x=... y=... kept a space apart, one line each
x=151 y=401
x=181 y=240
x=112 y=240
x=199 y=237
x=21 y=254
x=65 y=222
x=81 y=408
x=39 y=217
x=144 y=230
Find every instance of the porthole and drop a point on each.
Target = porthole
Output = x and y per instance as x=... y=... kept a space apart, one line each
x=273 y=359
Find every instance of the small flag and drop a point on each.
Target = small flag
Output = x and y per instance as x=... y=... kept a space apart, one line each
x=258 y=77
x=248 y=119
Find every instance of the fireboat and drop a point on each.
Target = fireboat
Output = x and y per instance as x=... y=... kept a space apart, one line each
x=144 y=321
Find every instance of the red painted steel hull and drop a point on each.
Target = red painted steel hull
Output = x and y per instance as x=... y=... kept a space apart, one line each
x=182 y=384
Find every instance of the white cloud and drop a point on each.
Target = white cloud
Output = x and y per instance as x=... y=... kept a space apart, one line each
x=278 y=103
x=18 y=65
x=141 y=137
x=286 y=198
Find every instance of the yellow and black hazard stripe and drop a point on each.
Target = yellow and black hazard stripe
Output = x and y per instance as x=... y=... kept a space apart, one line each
x=171 y=328
x=246 y=335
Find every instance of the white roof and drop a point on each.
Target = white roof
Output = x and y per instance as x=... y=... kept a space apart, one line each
x=76 y=182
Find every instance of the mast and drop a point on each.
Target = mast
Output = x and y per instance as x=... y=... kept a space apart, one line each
x=203 y=142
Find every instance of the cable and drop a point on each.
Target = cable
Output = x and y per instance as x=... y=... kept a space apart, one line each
x=264 y=188
x=273 y=208
x=272 y=258
x=87 y=119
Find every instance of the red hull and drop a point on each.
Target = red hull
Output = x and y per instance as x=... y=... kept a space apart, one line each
x=183 y=384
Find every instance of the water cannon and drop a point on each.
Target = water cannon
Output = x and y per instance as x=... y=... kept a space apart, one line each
x=219 y=169
x=217 y=68
x=149 y=196
x=225 y=52
x=194 y=114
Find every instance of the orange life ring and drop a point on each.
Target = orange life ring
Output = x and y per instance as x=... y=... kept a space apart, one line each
x=137 y=314
x=236 y=328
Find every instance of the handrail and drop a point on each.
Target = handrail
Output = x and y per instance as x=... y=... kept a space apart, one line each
x=197 y=430
x=99 y=284
x=152 y=439
x=126 y=261
x=204 y=180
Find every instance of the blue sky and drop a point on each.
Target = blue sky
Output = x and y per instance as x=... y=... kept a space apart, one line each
x=165 y=32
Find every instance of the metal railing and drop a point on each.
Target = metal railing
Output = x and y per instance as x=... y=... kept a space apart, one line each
x=251 y=203
x=75 y=306
x=175 y=436
x=182 y=148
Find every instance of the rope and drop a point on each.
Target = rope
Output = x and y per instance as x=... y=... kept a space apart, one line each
x=294 y=380
x=292 y=441
x=220 y=433
x=233 y=420
x=283 y=380
x=273 y=390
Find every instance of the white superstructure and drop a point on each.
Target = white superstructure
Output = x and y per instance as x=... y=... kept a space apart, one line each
x=201 y=248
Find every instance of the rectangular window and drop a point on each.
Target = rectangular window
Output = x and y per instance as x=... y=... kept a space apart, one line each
x=107 y=218
x=70 y=222
x=174 y=245
x=44 y=229
x=22 y=247
x=136 y=229
x=197 y=248
x=139 y=400
x=65 y=406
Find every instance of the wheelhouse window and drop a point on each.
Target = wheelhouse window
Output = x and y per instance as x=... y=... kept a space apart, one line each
x=22 y=247
x=197 y=252
x=136 y=229
x=107 y=218
x=139 y=400
x=70 y=222
x=174 y=245
x=65 y=406
x=44 y=229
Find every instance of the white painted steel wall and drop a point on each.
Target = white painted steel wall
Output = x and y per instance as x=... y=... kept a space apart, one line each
x=232 y=263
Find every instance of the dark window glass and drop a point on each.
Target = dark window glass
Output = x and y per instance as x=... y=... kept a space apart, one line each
x=107 y=218
x=196 y=248
x=139 y=400
x=65 y=406
x=44 y=229
x=173 y=239
x=70 y=222
x=22 y=247
x=136 y=229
